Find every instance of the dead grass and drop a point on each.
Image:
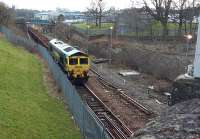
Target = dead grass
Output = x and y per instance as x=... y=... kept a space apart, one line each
x=1 y=35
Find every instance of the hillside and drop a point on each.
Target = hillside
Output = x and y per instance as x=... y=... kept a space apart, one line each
x=26 y=109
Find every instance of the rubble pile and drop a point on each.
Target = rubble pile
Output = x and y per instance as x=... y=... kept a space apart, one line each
x=181 y=121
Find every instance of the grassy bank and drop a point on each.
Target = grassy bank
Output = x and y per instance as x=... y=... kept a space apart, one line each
x=26 y=109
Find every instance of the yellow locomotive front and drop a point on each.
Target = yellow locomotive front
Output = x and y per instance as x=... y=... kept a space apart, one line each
x=78 y=67
x=74 y=62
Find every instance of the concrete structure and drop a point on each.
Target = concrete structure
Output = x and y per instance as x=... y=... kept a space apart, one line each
x=43 y=16
x=197 y=54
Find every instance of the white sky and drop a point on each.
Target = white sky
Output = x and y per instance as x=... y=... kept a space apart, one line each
x=80 y=5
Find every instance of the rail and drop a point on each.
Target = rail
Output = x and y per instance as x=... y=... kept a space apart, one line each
x=122 y=94
x=115 y=127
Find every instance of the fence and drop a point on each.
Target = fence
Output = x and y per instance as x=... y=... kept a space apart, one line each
x=90 y=32
x=90 y=126
x=127 y=33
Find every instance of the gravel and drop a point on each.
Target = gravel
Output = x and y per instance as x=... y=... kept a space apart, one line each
x=133 y=118
x=135 y=88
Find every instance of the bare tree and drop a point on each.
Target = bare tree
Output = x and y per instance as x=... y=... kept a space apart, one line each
x=101 y=9
x=61 y=31
x=180 y=5
x=159 y=12
x=192 y=5
x=96 y=11
x=60 y=18
x=5 y=14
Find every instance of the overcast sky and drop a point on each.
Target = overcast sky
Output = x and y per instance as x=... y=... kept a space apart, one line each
x=80 y=5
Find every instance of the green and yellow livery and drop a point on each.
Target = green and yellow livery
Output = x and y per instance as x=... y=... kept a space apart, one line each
x=74 y=62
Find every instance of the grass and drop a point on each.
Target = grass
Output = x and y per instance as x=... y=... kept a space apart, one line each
x=104 y=26
x=26 y=109
x=156 y=29
x=171 y=26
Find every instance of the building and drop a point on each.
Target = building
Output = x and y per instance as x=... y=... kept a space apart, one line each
x=43 y=16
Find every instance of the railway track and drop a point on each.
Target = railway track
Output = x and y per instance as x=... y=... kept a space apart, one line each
x=132 y=114
x=120 y=92
x=116 y=128
x=38 y=37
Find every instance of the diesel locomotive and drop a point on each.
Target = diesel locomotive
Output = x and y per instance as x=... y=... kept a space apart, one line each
x=74 y=63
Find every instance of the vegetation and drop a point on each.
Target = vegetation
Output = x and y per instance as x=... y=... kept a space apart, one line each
x=93 y=26
x=161 y=12
x=96 y=11
x=171 y=26
x=156 y=28
x=6 y=15
x=27 y=111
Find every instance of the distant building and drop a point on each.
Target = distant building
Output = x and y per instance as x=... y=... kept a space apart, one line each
x=75 y=16
x=43 y=16
x=69 y=16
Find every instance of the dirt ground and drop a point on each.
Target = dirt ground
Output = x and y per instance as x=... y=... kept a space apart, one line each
x=1 y=35
x=137 y=87
x=133 y=118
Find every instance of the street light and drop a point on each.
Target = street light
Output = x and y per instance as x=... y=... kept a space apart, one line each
x=110 y=55
x=69 y=30
x=88 y=29
x=188 y=38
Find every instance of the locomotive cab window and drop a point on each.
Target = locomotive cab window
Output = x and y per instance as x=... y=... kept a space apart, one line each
x=73 y=61
x=69 y=49
x=83 y=60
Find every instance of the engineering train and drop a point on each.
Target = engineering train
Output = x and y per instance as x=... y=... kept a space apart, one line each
x=74 y=62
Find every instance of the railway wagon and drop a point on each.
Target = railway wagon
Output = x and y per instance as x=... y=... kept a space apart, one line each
x=38 y=37
x=75 y=63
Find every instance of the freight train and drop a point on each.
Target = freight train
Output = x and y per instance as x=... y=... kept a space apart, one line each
x=74 y=63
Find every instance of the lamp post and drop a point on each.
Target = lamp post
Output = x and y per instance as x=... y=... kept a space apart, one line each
x=88 y=29
x=69 y=30
x=188 y=37
x=110 y=53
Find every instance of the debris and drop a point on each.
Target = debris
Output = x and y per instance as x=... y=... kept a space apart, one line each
x=128 y=73
x=157 y=101
x=151 y=87
x=100 y=60
x=167 y=94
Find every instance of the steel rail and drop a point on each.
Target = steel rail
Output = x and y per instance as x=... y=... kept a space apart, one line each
x=122 y=94
x=115 y=126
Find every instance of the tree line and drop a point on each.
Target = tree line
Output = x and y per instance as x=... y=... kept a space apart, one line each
x=181 y=11
x=6 y=15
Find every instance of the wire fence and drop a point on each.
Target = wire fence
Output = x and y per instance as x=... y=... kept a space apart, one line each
x=90 y=126
x=124 y=32
x=90 y=32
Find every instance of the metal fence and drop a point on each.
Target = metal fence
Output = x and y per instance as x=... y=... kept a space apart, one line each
x=90 y=32
x=90 y=126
